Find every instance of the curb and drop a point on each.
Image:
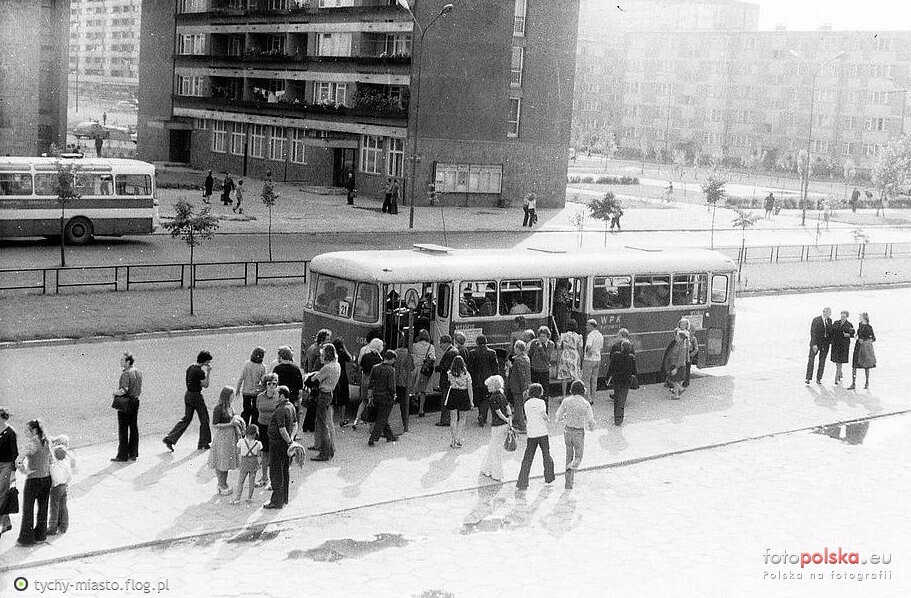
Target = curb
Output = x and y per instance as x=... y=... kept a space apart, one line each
x=261 y=526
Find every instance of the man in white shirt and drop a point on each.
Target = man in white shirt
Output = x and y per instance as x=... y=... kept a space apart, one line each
x=577 y=415
x=591 y=358
x=536 y=426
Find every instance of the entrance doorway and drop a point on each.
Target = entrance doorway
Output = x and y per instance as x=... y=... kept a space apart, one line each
x=342 y=164
x=179 y=147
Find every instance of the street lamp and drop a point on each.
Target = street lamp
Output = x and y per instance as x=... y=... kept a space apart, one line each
x=417 y=99
x=805 y=185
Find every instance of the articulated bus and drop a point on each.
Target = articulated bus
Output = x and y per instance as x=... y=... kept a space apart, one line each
x=117 y=197
x=385 y=294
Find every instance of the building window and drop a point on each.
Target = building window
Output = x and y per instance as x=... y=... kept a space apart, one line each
x=395 y=156
x=371 y=154
x=185 y=6
x=189 y=86
x=200 y=124
x=518 y=59
x=298 y=149
x=335 y=3
x=875 y=124
x=237 y=139
x=219 y=136
x=398 y=44
x=278 y=4
x=333 y=44
x=515 y=113
x=257 y=141
x=277 y=144
x=193 y=43
x=331 y=93
x=519 y=27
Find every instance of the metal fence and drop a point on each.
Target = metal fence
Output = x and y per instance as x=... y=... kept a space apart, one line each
x=173 y=275
x=812 y=253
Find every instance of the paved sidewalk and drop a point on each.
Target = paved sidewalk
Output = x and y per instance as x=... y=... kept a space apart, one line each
x=167 y=496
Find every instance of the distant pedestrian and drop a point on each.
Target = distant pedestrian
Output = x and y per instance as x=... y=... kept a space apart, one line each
x=207 y=188
x=500 y=422
x=591 y=358
x=864 y=356
x=621 y=372
x=227 y=189
x=387 y=196
x=536 y=421
x=9 y=452
x=519 y=381
x=458 y=400
x=104 y=118
x=539 y=351
x=282 y=430
x=266 y=403
x=352 y=191
x=526 y=216
x=674 y=363
x=615 y=216
x=769 y=205
x=482 y=364
x=669 y=192
x=382 y=383
x=34 y=463
x=324 y=427
x=576 y=414
x=424 y=357
x=99 y=143
x=249 y=449
x=820 y=338
x=404 y=366
x=854 y=202
x=396 y=193
x=569 y=367
x=842 y=333
x=61 y=469
x=532 y=209
x=692 y=349
x=239 y=197
x=229 y=427
x=342 y=394
x=197 y=378
x=130 y=386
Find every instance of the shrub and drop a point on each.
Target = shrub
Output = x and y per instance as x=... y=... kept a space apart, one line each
x=618 y=180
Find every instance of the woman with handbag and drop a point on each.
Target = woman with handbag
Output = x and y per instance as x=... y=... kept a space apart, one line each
x=864 y=357
x=228 y=428
x=500 y=424
x=342 y=394
x=424 y=357
x=622 y=373
x=35 y=464
x=673 y=366
x=9 y=452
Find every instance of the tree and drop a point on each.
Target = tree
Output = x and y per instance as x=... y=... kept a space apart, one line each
x=193 y=228
x=862 y=239
x=849 y=172
x=714 y=192
x=66 y=192
x=269 y=197
x=744 y=220
x=604 y=209
x=893 y=168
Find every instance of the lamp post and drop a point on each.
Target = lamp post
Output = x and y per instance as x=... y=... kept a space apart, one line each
x=805 y=184
x=417 y=99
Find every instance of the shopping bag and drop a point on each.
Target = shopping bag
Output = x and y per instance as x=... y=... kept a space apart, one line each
x=510 y=443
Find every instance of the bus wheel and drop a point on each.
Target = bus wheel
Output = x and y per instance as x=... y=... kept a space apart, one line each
x=78 y=231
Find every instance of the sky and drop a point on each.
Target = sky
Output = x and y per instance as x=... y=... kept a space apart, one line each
x=841 y=14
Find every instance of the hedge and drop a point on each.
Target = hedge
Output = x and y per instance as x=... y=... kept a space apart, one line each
x=606 y=180
x=794 y=204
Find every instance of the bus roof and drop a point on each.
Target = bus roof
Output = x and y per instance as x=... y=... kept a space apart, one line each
x=116 y=164
x=414 y=266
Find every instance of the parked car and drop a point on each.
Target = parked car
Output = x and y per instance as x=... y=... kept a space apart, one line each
x=127 y=105
x=90 y=129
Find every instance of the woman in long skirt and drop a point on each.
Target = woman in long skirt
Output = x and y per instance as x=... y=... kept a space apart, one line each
x=499 y=426
x=864 y=357
x=569 y=367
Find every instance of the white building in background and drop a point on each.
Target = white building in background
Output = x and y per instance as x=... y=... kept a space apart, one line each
x=104 y=46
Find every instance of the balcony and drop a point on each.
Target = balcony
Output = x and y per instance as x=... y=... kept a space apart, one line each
x=260 y=10
x=266 y=57
x=389 y=113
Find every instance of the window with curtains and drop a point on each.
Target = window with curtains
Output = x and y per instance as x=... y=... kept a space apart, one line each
x=298 y=149
x=371 y=154
x=237 y=139
x=395 y=156
x=219 y=136
x=258 y=141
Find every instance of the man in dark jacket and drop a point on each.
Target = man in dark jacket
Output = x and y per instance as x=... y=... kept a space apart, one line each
x=207 y=188
x=382 y=381
x=447 y=354
x=820 y=338
x=482 y=364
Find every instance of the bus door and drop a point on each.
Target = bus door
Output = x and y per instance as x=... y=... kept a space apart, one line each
x=567 y=302
x=442 y=320
x=398 y=316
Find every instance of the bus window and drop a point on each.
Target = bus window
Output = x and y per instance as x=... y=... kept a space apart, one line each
x=14 y=183
x=612 y=292
x=94 y=184
x=443 y=300
x=519 y=297
x=134 y=184
x=365 y=305
x=334 y=296
x=478 y=299
x=719 y=288
x=652 y=291
x=689 y=289
x=46 y=184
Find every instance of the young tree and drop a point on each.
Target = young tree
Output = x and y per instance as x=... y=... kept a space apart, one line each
x=193 y=228
x=604 y=208
x=714 y=192
x=744 y=220
x=269 y=197
x=893 y=167
x=862 y=239
x=66 y=192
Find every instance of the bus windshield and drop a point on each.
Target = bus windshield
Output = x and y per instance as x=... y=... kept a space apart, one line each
x=343 y=298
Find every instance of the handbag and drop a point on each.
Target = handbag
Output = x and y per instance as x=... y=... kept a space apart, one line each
x=510 y=443
x=369 y=414
x=427 y=365
x=633 y=382
x=9 y=505
x=121 y=403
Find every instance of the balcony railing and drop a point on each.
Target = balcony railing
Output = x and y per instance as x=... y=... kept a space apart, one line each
x=285 y=108
x=386 y=11
x=267 y=57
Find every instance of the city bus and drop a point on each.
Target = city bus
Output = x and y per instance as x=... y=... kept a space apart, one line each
x=391 y=294
x=116 y=197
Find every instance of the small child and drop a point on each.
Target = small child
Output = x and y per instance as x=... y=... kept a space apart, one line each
x=62 y=466
x=249 y=448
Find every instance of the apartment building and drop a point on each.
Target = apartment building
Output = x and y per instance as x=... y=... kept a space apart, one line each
x=33 y=42
x=104 y=45
x=315 y=90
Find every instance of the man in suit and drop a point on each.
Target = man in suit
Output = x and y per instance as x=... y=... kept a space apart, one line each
x=820 y=338
x=482 y=364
